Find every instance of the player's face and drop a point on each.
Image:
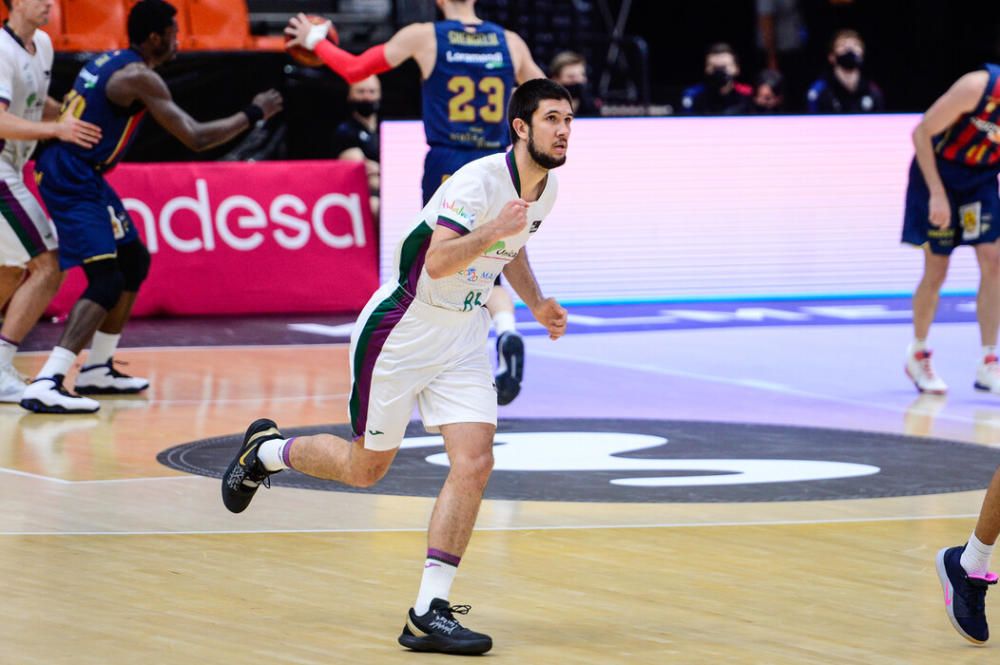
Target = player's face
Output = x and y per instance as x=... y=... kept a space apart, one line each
x=36 y=12
x=548 y=134
x=165 y=44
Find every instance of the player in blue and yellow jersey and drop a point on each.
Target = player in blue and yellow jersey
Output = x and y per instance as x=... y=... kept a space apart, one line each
x=113 y=91
x=469 y=68
x=952 y=200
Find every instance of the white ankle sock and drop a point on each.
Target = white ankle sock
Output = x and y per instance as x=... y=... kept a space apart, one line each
x=504 y=322
x=59 y=362
x=989 y=351
x=918 y=345
x=439 y=572
x=273 y=454
x=102 y=347
x=7 y=351
x=976 y=557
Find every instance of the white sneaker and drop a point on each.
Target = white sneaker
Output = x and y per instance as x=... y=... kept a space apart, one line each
x=106 y=380
x=47 y=395
x=918 y=368
x=11 y=385
x=988 y=375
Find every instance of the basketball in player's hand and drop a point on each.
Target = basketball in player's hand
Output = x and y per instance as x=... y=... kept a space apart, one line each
x=305 y=56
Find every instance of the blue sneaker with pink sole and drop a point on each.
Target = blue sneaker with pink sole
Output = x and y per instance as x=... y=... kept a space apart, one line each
x=964 y=595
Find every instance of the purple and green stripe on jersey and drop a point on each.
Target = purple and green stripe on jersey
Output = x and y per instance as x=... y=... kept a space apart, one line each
x=452 y=225
x=383 y=320
x=20 y=221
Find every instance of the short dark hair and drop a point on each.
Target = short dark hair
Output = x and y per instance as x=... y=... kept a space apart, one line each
x=719 y=48
x=148 y=17
x=524 y=102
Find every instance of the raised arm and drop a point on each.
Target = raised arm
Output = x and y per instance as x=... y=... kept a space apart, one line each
x=146 y=86
x=452 y=248
x=525 y=68
x=409 y=42
x=961 y=98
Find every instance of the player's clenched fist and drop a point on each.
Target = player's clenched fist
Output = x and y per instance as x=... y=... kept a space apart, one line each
x=512 y=218
x=553 y=316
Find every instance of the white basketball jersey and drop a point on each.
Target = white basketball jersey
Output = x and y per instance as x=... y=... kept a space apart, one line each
x=24 y=86
x=474 y=195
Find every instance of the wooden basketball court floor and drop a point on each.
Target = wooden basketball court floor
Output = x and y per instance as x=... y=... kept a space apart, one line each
x=107 y=556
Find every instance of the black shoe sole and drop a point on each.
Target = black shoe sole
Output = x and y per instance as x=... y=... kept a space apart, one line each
x=237 y=500
x=513 y=347
x=107 y=391
x=37 y=406
x=439 y=644
x=508 y=388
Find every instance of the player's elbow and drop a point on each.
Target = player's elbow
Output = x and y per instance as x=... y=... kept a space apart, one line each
x=434 y=266
x=198 y=143
x=435 y=271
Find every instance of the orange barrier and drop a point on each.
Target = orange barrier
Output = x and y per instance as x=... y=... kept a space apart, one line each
x=93 y=25
x=206 y=25
x=222 y=25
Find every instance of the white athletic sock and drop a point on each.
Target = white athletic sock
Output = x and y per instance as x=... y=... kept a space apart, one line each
x=504 y=322
x=102 y=347
x=918 y=345
x=439 y=572
x=273 y=454
x=989 y=351
x=976 y=557
x=59 y=362
x=7 y=351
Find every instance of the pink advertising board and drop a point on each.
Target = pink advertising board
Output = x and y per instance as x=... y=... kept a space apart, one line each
x=710 y=208
x=238 y=238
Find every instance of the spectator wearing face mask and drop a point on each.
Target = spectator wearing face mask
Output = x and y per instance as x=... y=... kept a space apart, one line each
x=356 y=139
x=569 y=69
x=719 y=93
x=845 y=88
x=769 y=93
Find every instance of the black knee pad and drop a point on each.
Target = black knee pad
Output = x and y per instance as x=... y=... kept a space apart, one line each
x=105 y=282
x=134 y=260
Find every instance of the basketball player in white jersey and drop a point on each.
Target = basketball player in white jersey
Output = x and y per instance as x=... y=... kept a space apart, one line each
x=27 y=242
x=421 y=341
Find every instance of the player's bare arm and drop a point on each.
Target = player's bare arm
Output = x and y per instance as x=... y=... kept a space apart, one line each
x=52 y=109
x=70 y=129
x=547 y=311
x=449 y=252
x=525 y=67
x=961 y=98
x=144 y=85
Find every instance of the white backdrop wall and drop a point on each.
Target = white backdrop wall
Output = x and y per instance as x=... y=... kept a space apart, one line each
x=711 y=208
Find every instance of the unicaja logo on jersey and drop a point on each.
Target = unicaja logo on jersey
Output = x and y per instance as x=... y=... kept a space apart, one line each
x=455 y=207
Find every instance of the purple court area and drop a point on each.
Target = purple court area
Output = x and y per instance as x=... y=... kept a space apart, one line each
x=597 y=318
x=825 y=363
